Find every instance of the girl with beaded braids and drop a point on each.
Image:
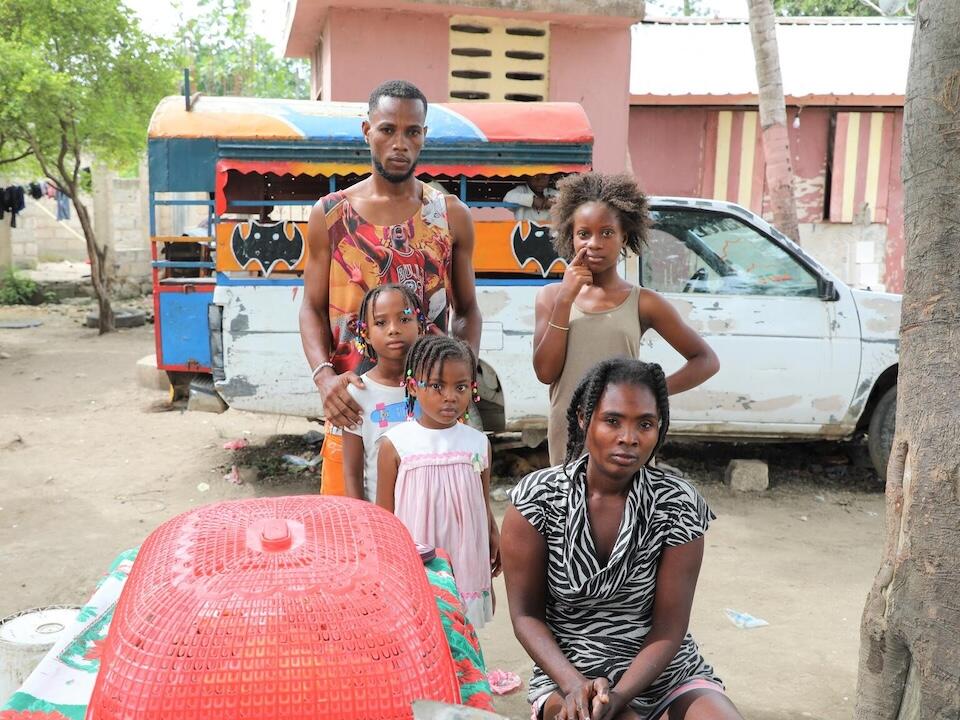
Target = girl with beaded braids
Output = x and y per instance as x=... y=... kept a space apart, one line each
x=434 y=474
x=389 y=321
x=601 y=557
x=598 y=219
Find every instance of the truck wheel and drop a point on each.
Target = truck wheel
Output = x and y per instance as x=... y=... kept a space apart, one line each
x=883 y=422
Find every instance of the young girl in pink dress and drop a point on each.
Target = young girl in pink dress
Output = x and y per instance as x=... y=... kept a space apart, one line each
x=434 y=474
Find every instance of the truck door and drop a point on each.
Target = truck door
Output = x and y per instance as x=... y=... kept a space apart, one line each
x=789 y=358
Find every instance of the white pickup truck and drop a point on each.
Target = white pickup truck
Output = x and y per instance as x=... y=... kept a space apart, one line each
x=802 y=355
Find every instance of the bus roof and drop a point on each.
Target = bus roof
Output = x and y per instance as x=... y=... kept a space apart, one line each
x=187 y=149
x=260 y=119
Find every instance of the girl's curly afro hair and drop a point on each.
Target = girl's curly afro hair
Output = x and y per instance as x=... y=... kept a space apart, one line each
x=618 y=191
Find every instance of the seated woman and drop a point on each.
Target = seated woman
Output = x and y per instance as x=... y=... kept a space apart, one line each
x=601 y=557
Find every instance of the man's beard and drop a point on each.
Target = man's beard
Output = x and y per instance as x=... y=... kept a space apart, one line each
x=393 y=177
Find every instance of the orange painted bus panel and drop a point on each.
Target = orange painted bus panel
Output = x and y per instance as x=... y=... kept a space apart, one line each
x=502 y=246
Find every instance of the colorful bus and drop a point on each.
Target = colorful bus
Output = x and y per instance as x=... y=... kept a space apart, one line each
x=232 y=181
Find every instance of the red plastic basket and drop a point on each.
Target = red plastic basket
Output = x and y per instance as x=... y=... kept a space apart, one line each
x=298 y=607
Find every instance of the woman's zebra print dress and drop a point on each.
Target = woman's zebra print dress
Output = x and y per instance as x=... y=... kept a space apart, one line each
x=601 y=615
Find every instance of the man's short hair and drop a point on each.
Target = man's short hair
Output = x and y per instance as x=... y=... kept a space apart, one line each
x=397 y=89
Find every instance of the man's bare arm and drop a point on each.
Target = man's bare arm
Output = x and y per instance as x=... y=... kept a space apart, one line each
x=467 y=322
x=338 y=407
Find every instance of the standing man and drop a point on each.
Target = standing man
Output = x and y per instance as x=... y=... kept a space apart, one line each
x=389 y=227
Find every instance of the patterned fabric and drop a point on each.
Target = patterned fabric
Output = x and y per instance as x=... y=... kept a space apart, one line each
x=600 y=615
x=416 y=253
x=60 y=687
x=439 y=498
x=464 y=644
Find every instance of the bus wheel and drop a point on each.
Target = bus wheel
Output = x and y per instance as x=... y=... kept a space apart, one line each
x=180 y=385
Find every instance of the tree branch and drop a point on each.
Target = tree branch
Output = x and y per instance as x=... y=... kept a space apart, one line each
x=63 y=147
x=76 y=150
x=4 y=161
x=44 y=165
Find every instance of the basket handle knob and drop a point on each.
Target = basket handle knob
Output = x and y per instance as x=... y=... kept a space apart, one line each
x=275 y=535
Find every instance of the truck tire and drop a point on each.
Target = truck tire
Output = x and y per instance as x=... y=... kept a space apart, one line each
x=880 y=431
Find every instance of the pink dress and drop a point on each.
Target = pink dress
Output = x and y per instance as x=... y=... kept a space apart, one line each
x=439 y=497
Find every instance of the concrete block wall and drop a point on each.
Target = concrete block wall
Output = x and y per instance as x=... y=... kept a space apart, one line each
x=129 y=211
x=38 y=237
x=118 y=206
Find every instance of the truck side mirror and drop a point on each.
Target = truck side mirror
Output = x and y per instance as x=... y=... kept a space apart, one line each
x=827 y=290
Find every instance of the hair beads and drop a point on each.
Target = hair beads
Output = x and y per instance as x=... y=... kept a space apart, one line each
x=367 y=304
x=429 y=352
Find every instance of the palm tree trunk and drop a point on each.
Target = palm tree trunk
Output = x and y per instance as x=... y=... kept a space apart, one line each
x=773 y=118
x=910 y=632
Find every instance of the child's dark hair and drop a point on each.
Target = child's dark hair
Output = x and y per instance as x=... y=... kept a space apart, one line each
x=618 y=191
x=619 y=371
x=368 y=303
x=432 y=351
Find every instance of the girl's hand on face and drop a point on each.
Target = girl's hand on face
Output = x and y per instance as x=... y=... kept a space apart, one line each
x=575 y=276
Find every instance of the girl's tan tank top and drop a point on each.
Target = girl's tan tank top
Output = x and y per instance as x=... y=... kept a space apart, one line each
x=593 y=336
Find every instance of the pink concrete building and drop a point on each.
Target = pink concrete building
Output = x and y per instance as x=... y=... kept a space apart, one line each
x=560 y=50
x=672 y=101
x=694 y=129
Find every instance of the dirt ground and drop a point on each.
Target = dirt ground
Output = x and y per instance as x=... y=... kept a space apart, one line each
x=90 y=463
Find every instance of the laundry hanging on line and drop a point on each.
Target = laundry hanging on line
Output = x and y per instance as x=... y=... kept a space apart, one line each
x=63 y=206
x=12 y=200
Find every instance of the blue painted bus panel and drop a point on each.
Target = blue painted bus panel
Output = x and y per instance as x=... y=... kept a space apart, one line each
x=182 y=164
x=183 y=328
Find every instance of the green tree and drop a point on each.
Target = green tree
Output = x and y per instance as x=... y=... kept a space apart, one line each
x=226 y=56
x=79 y=80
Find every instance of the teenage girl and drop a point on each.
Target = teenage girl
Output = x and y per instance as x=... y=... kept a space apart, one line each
x=390 y=320
x=434 y=474
x=597 y=219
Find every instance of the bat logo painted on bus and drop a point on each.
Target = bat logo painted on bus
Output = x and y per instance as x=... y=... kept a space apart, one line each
x=534 y=245
x=267 y=245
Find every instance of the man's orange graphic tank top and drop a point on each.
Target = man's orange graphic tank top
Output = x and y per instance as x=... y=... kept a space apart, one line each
x=415 y=253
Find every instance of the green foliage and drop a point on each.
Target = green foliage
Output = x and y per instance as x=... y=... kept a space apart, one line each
x=78 y=78
x=226 y=56
x=822 y=8
x=15 y=289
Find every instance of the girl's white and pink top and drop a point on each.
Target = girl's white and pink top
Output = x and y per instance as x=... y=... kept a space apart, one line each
x=439 y=497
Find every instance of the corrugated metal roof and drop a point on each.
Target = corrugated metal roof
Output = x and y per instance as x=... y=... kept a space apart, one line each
x=818 y=56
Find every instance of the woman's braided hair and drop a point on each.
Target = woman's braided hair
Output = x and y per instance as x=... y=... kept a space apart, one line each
x=620 y=192
x=432 y=351
x=369 y=302
x=619 y=371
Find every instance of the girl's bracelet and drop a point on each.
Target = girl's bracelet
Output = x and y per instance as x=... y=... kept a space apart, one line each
x=321 y=366
x=558 y=327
